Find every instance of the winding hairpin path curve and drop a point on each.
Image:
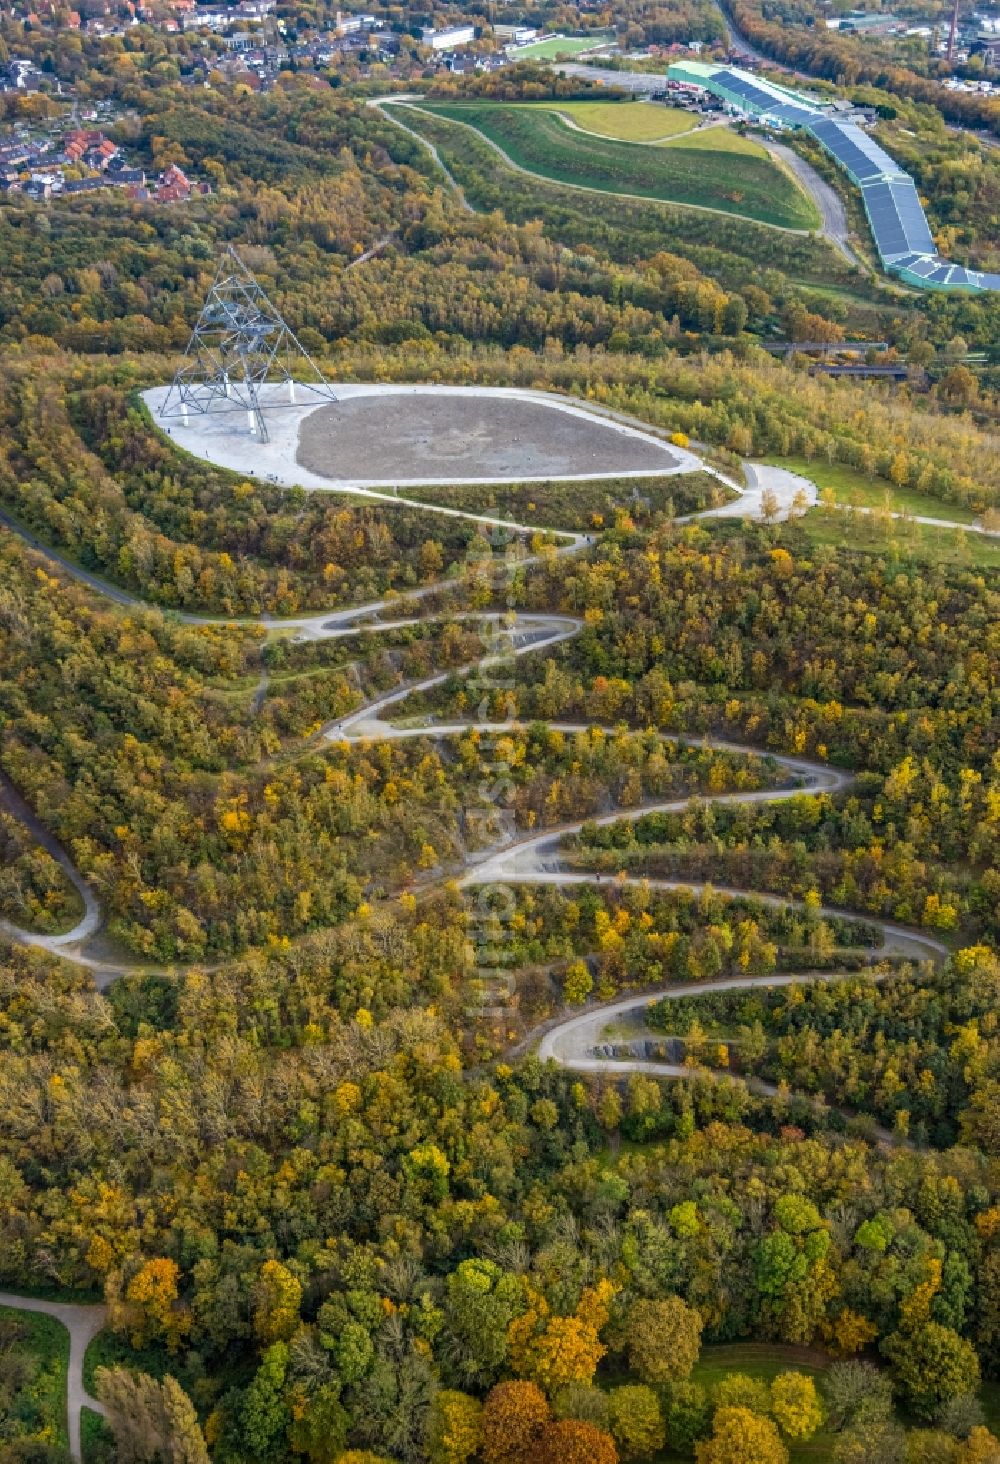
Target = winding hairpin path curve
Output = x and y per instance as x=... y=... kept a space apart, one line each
x=533 y=633
x=534 y=860
x=570 y=1042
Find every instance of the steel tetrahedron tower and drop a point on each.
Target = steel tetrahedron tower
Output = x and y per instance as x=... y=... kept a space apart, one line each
x=239 y=346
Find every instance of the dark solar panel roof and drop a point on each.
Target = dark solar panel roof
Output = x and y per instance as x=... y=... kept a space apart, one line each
x=890 y=235
x=897 y=219
x=740 y=85
x=763 y=99
x=855 y=150
x=892 y=203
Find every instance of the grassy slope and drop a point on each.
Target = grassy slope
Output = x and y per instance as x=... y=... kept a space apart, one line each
x=573 y=505
x=907 y=541
x=648 y=122
x=720 y=140
x=542 y=143
x=43 y=1400
x=729 y=249
x=852 y=487
x=627 y=121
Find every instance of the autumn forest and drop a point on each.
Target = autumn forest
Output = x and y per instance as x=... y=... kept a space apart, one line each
x=290 y=1110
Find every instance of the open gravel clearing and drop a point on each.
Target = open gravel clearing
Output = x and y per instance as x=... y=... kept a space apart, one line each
x=448 y=435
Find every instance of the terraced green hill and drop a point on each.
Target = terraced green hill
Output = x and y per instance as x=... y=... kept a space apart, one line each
x=732 y=180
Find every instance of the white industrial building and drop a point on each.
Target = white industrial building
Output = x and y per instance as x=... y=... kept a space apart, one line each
x=449 y=40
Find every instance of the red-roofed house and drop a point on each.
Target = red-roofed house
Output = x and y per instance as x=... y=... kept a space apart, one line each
x=172 y=186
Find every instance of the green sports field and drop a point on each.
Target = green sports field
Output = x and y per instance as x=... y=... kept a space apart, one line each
x=562 y=46
x=732 y=181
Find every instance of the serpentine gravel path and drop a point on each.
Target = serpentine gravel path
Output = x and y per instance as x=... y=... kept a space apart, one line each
x=532 y=860
x=532 y=632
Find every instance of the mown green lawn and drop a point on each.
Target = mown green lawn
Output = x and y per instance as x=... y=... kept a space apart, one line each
x=710 y=176
x=720 y=140
x=764 y=1361
x=627 y=121
x=904 y=541
x=651 y=123
x=562 y=46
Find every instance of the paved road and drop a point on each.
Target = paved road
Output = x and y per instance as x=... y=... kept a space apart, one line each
x=83 y=1324
x=739 y=42
x=824 y=195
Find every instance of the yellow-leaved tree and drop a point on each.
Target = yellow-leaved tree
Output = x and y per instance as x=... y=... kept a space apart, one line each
x=553 y=1351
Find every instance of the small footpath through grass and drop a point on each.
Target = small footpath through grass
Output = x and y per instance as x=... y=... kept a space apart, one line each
x=900 y=539
x=723 y=172
x=627 y=121
x=855 y=489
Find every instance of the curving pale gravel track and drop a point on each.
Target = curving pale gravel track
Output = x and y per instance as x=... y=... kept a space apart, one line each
x=532 y=632
x=576 y=1042
x=83 y=1323
x=90 y=921
x=533 y=860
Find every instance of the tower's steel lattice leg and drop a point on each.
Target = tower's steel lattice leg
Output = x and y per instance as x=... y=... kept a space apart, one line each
x=240 y=343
